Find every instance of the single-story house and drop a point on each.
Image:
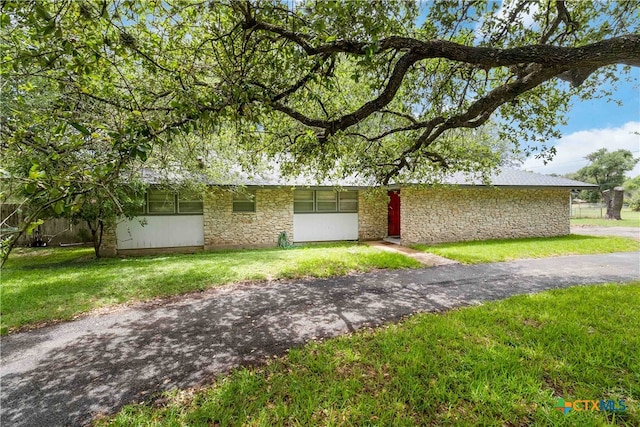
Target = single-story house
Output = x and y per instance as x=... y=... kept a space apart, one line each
x=516 y=204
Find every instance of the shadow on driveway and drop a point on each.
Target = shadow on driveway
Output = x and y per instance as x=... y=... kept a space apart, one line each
x=66 y=374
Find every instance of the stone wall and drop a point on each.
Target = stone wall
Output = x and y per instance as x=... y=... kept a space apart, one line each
x=456 y=214
x=224 y=228
x=430 y=215
x=109 y=242
x=372 y=215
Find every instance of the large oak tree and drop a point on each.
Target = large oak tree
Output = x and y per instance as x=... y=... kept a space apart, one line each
x=390 y=90
x=608 y=170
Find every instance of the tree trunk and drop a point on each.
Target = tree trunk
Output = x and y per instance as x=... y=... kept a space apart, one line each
x=7 y=245
x=96 y=235
x=613 y=199
x=101 y=232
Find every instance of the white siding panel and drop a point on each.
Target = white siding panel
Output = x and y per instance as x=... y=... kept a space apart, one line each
x=161 y=232
x=325 y=227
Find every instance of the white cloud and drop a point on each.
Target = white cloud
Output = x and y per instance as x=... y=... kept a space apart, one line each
x=572 y=148
x=503 y=12
x=526 y=16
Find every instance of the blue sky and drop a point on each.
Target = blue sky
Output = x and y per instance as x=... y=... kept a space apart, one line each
x=600 y=113
x=591 y=125
x=596 y=124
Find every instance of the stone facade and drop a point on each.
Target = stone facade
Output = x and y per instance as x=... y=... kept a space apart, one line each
x=428 y=215
x=224 y=228
x=372 y=215
x=109 y=242
x=457 y=214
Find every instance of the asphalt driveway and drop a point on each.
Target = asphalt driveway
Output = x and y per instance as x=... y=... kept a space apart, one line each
x=65 y=374
x=630 y=232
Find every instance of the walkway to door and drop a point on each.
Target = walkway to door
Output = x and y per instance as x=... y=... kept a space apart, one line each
x=425 y=258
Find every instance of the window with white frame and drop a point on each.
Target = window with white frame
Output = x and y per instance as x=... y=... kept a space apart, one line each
x=244 y=201
x=163 y=202
x=324 y=201
x=348 y=201
x=189 y=203
x=303 y=201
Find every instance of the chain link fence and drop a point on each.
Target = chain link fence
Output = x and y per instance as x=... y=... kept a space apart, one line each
x=588 y=210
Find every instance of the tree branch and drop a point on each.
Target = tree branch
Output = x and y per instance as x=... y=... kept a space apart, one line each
x=476 y=115
x=578 y=62
x=623 y=49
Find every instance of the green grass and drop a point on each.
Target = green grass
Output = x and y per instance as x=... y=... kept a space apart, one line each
x=592 y=217
x=482 y=251
x=501 y=364
x=42 y=284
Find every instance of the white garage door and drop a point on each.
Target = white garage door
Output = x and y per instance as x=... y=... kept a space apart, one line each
x=325 y=227
x=161 y=232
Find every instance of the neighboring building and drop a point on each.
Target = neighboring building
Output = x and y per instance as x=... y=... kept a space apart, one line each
x=517 y=204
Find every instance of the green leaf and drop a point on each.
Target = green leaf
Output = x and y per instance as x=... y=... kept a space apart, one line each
x=50 y=28
x=80 y=128
x=30 y=188
x=58 y=207
x=42 y=12
x=35 y=172
x=33 y=225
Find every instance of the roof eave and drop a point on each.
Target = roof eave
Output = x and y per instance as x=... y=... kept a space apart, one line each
x=539 y=187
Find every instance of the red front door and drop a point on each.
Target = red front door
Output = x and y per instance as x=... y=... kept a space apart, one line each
x=394 y=213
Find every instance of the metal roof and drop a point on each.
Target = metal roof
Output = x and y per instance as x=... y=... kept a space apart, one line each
x=518 y=178
x=505 y=178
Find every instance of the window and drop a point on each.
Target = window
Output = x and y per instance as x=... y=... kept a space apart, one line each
x=162 y=202
x=189 y=203
x=244 y=202
x=324 y=201
x=303 y=201
x=348 y=201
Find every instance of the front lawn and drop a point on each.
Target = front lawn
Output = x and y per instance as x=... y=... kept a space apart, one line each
x=57 y=284
x=504 y=363
x=481 y=251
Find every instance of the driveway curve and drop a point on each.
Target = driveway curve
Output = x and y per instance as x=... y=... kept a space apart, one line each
x=66 y=374
x=590 y=230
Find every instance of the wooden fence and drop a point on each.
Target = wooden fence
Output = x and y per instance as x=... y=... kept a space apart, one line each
x=53 y=232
